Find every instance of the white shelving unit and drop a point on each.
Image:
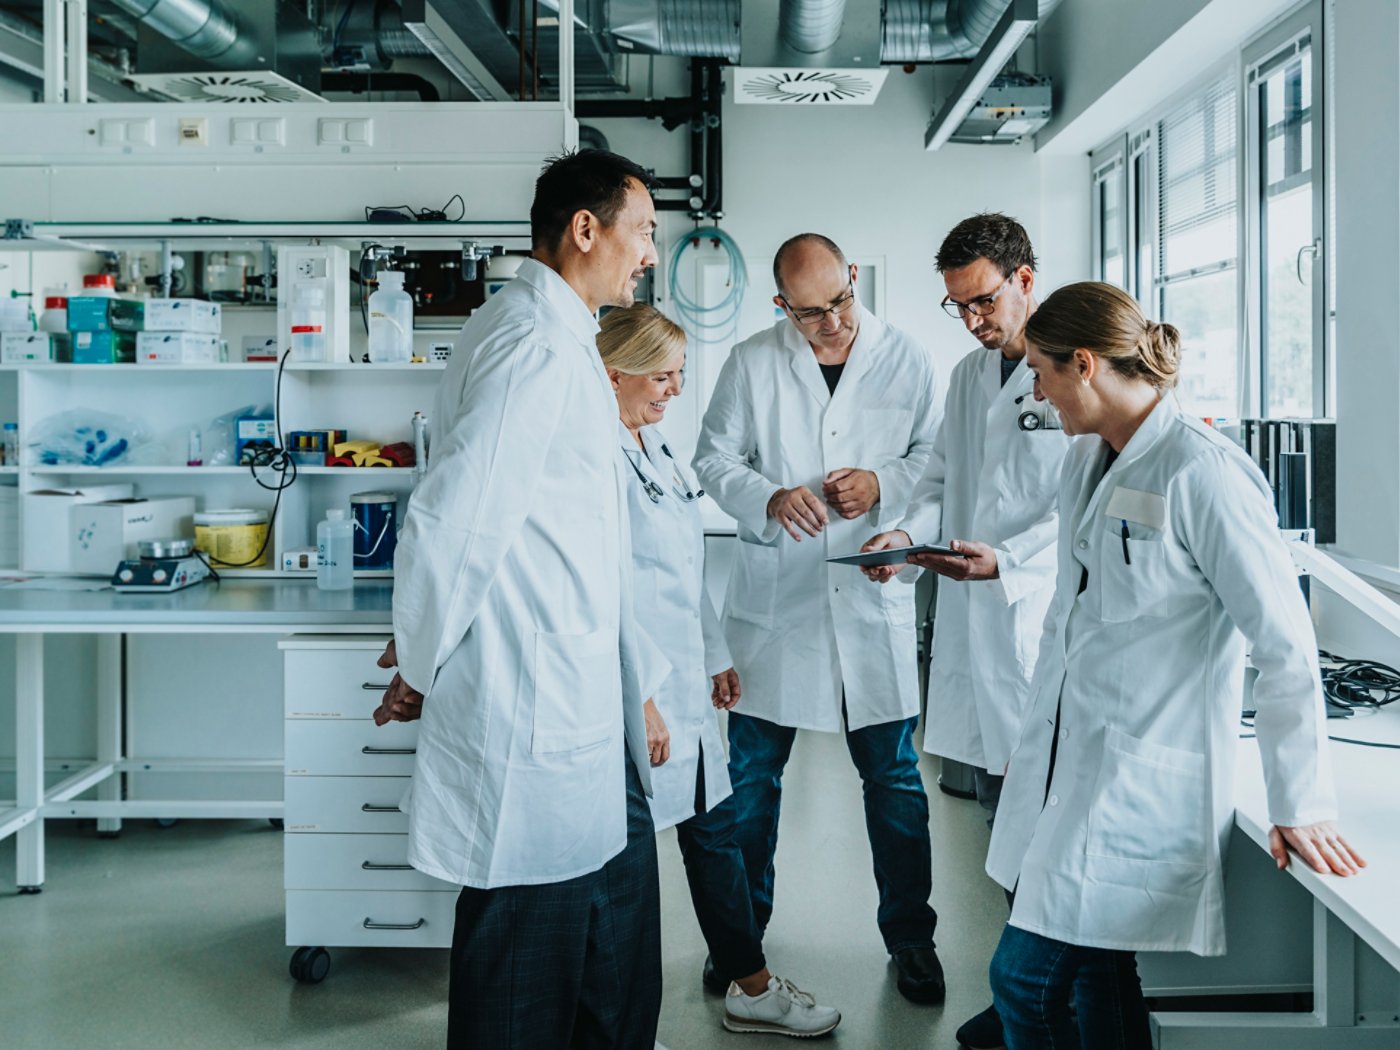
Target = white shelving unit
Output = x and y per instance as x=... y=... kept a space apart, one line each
x=369 y=401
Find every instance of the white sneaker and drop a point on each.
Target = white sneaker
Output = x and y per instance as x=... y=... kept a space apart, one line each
x=784 y=1010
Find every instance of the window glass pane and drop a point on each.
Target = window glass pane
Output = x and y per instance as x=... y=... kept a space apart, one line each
x=1198 y=191
x=1205 y=312
x=1111 y=218
x=1286 y=228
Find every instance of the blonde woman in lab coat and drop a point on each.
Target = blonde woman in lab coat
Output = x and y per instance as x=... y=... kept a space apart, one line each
x=644 y=354
x=1117 y=803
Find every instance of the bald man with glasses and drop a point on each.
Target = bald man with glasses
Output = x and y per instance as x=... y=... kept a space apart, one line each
x=817 y=431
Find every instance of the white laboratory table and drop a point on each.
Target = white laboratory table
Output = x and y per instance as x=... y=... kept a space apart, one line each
x=232 y=606
x=1344 y=910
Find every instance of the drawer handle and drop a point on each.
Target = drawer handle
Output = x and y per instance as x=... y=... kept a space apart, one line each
x=367 y=750
x=371 y=687
x=369 y=865
x=370 y=807
x=370 y=924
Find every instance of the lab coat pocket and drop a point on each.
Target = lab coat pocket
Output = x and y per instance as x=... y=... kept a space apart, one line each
x=1135 y=577
x=577 y=683
x=753 y=586
x=1149 y=803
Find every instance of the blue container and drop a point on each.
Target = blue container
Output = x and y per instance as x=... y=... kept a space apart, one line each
x=376 y=517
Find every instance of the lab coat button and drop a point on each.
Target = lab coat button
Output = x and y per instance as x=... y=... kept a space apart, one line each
x=1084 y=545
x=833 y=433
x=1064 y=734
x=1054 y=800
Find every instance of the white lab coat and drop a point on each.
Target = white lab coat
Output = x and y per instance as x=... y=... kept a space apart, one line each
x=798 y=628
x=512 y=603
x=668 y=583
x=1146 y=667
x=987 y=480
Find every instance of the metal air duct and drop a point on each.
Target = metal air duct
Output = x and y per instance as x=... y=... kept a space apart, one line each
x=204 y=28
x=939 y=30
x=810 y=26
x=684 y=28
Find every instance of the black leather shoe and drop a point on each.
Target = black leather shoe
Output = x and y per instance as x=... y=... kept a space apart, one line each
x=920 y=975
x=711 y=979
x=983 y=1032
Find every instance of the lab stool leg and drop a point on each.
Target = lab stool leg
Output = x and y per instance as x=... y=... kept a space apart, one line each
x=29 y=760
x=110 y=680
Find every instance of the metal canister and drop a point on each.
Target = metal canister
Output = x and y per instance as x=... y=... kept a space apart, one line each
x=376 y=528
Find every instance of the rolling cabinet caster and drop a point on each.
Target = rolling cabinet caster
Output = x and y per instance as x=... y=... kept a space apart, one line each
x=310 y=965
x=276 y=822
x=29 y=891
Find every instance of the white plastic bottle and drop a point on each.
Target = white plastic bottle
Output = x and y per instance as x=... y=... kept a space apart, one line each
x=309 y=323
x=335 y=548
x=390 y=320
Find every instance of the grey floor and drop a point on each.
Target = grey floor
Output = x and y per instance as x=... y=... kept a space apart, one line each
x=173 y=938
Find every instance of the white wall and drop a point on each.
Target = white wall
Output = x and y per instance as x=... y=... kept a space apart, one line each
x=1366 y=111
x=1111 y=60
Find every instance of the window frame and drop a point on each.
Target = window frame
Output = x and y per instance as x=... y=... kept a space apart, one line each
x=1260 y=56
x=1108 y=163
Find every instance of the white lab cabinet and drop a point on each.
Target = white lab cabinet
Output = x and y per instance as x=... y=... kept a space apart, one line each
x=345 y=869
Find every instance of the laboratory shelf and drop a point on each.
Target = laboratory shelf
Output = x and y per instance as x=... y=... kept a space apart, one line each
x=128 y=470
x=348 y=471
x=9 y=470
x=145 y=370
x=354 y=366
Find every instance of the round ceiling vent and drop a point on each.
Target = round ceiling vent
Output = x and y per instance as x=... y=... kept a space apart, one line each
x=227 y=87
x=809 y=86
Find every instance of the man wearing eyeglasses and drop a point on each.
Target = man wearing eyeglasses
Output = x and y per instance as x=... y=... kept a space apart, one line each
x=990 y=492
x=817 y=431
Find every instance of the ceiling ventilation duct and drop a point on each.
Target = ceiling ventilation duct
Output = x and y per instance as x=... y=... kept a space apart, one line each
x=213 y=50
x=809 y=52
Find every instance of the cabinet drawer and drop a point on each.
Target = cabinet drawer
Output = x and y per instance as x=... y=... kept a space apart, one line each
x=333 y=683
x=357 y=748
x=349 y=804
x=337 y=919
x=352 y=862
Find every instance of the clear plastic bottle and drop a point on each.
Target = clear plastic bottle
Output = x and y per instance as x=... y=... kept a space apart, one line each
x=390 y=320
x=335 y=547
x=11 y=446
x=309 y=323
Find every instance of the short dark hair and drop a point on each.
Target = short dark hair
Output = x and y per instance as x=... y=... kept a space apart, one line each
x=786 y=248
x=583 y=180
x=998 y=238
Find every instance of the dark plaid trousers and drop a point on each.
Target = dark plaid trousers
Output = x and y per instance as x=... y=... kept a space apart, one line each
x=573 y=964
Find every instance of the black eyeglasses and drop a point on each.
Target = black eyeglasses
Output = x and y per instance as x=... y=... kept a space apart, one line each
x=815 y=314
x=980 y=307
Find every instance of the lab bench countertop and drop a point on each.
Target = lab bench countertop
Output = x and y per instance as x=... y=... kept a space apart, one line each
x=231 y=605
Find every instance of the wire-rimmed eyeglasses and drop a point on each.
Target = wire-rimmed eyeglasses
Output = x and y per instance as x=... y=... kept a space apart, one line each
x=979 y=307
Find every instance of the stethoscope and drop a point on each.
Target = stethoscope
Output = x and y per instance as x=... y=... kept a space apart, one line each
x=654 y=491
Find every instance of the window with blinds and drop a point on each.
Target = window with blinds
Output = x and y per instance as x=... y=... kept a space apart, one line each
x=1196 y=277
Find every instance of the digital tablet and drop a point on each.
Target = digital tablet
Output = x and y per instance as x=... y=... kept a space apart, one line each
x=895 y=555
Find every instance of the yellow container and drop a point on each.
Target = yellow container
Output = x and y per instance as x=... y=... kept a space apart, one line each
x=232 y=539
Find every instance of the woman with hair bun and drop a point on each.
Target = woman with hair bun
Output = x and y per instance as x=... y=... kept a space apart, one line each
x=1118 y=800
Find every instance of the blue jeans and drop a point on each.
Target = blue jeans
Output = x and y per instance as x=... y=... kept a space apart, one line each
x=714 y=868
x=1034 y=980
x=896 y=818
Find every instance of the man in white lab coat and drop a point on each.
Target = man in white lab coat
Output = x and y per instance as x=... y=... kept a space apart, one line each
x=990 y=491
x=816 y=432
x=512 y=613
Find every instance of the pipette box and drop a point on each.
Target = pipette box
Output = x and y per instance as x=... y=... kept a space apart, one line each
x=183 y=315
x=104 y=348
x=19 y=347
x=176 y=348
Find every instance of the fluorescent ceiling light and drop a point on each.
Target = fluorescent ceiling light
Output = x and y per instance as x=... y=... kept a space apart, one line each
x=1009 y=34
x=432 y=30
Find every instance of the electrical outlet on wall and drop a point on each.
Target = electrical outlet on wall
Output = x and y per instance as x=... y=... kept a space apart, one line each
x=194 y=131
x=312 y=268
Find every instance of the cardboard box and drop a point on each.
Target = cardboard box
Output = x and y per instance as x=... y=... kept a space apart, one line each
x=97 y=313
x=176 y=348
x=44 y=524
x=259 y=348
x=18 y=347
x=104 y=348
x=102 y=534
x=183 y=315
